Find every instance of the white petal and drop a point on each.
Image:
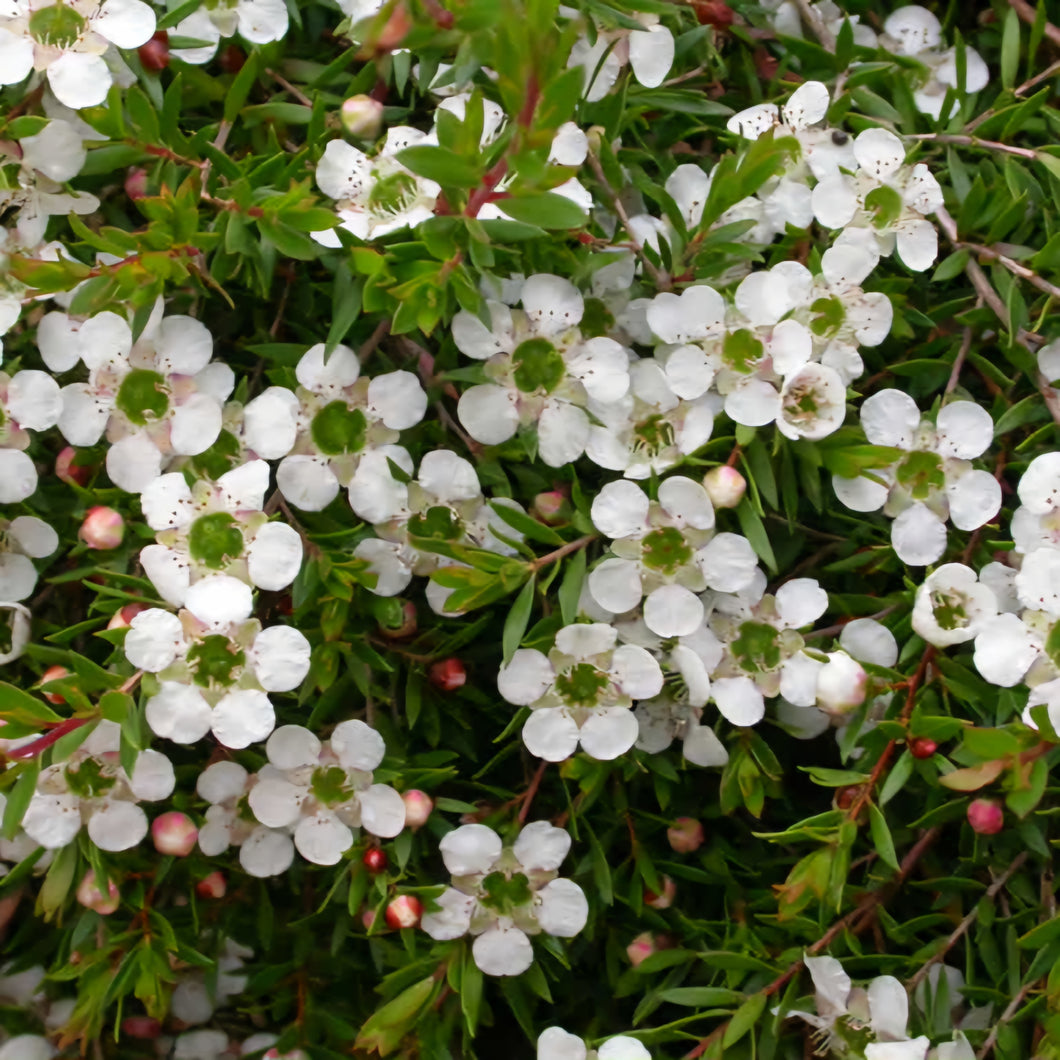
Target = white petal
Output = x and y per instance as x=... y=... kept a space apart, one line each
x=608 y=732
x=382 y=811
x=179 y=713
x=292 y=746
x=860 y=494
x=52 y=820
x=890 y=418
x=18 y=476
x=488 y=413
x=453 y=919
x=168 y=571
x=965 y=430
x=266 y=853
x=219 y=599
x=33 y=536
x=1005 y=650
x=868 y=641
x=564 y=909
x=322 y=838
x=166 y=502
x=244 y=487
x=471 y=848
x=635 y=671
x=270 y=423
x=133 y=463
x=274 y=556
x=125 y=23
x=562 y=433
x=79 y=79
x=195 y=425
x=556 y=1044
x=16 y=57
x=280 y=657
x=615 y=585
x=697 y=313
x=753 y=121
x=18 y=577
x=918 y=536
x=526 y=678
x=386 y=560
x=911 y=1049
x=703 y=748
x=552 y=303
x=152 y=777
x=672 y=611
x=738 y=700
x=243 y=717
x=620 y=509
x=602 y=365
x=34 y=400
x=831 y=983
x=183 y=345
x=222 y=781
x=307 y=482
x=835 y=200
x=889 y=1007
x=503 y=951
x=375 y=494
x=154 y=640
x=879 y=152
x=807 y=106
x=398 y=399
x=974 y=499
x=448 y=477
x=551 y=733
x=542 y=846
x=651 y=54
x=276 y=802
x=57 y=339
x=754 y=403
x=357 y=745
x=801 y=601
x=118 y=825
x=84 y=415
x=728 y=563
x=686 y=502
x=474 y=339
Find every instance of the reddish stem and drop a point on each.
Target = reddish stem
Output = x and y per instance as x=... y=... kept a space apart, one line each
x=42 y=743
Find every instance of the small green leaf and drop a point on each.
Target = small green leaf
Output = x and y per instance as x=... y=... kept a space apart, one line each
x=1010 y=48
x=743 y=1020
x=441 y=165
x=881 y=836
x=517 y=621
x=545 y=210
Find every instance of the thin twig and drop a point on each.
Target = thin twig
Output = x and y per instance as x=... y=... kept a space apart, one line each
x=1010 y=1010
x=368 y=347
x=962 y=353
x=684 y=77
x=661 y=279
x=528 y=796
x=960 y=930
x=1049 y=71
x=1030 y=16
x=566 y=550
x=974 y=141
x=288 y=87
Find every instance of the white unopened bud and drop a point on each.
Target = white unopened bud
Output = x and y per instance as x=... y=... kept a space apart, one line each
x=362 y=117
x=840 y=684
x=418 y=807
x=103 y=528
x=725 y=486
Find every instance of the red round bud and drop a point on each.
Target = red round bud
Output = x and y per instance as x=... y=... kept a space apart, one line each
x=418 y=807
x=90 y=896
x=664 y=900
x=67 y=468
x=141 y=1027
x=374 y=860
x=136 y=183
x=986 y=816
x=713 y=13
x=404 y=911
x=685 y=835
x=395 y=31
x=232 y=59
x=844 y=797
x=174 y=833
x=154 y=55
x=212 y=886
x=922 y=747
x=447 y=675
x=368 y=919
x=102 y=528
x=54 y=673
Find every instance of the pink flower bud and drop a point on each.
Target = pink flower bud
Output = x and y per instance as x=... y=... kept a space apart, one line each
x=90 y=896
x=397 y=622
x=685 y=835
x=664 y=900
x=550 y=507
x=418 y=807
x=68 y=470
x=986 y=816
x=174 y=833
x=725 y=486
x=136 y=183
x=141 y=1027
x=404 y=911
x=102 y=528
x=212 y=886
x=368 y=919
x=122 y=618
x=54 y=673
x=447 y=675
x=642 y=947
x=362 y=117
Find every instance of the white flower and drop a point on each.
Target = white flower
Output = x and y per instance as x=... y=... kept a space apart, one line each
x=68 y=41
x=14 y=633
x=581 y=692
x=649 y=51
x=556 y=1044
x=952 y=606
x=22 y=539
x=503 y=894
x=256 y=21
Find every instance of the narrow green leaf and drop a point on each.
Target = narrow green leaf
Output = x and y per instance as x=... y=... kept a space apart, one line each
x=755 y=532
x=517 y=621
x=881 y=836
x=545 y=210
x=1010 y=48
x=745 y=1018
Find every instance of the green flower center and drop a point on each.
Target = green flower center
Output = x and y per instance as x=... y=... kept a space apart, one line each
x=88 y=780
x=538 y=366
x=59 y=25
x=665 y=549
x=504 y=894
x=142 y=395
x=215 y=660
x=921 y=473
x=949 y=610
x=329 y=785
x=215 y=539
x=742 y=351
x=392 y=193
x=337 y=429
x=829 y=315
x=654 y=433
x=756 y=648
x=582 y=685
x=886 y=203
x=439 y=522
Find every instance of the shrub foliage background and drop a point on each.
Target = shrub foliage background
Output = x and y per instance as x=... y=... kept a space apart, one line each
x=849 y=824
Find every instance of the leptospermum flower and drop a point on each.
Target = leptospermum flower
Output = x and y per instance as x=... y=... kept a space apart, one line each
x=915 y=32
x=68 y=41
x=333 y=420
x=581 y=692
x=256 y=21
x=321 y=792
x=375 y=195
x=216 y=527
x=542 y=370
x=214 y=664
x=841 y=1007
x=91 y=788
x=504 y=894
x=23 y=539
x=952 y=606
x=935 y=481
x=557 y=1044
x=14 y=630
x=48 y=159
x=649 y=52
x=157 y=398
x=29 y=401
